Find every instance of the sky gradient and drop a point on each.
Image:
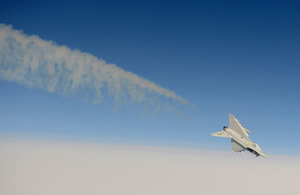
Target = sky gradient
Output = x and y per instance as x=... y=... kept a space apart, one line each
x=222 y=57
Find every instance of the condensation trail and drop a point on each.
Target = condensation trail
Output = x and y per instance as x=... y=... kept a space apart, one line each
x=36 y=63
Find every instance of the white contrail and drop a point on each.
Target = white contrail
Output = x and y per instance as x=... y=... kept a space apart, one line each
x=36 y=63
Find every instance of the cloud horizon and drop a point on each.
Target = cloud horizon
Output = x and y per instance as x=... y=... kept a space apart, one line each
x=45 y=167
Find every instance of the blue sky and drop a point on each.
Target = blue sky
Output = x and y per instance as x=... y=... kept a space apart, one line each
x=222 y=56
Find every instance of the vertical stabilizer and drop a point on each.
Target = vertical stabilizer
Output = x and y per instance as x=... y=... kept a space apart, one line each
x=236 y=147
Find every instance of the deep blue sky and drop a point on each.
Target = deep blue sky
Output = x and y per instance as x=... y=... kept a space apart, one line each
x=239 y=57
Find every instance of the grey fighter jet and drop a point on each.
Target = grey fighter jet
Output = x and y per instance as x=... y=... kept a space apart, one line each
x=239 y=137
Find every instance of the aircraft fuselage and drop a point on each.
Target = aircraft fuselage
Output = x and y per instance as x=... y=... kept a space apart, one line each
x=246 y=143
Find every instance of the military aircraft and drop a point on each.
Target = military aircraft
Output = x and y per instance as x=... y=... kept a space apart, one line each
x=239 y=137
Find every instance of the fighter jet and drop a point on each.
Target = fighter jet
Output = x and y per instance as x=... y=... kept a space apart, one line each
x=239 y=137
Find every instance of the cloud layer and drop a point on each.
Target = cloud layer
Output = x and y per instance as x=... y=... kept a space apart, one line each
x=29 y=167
x=36 y=63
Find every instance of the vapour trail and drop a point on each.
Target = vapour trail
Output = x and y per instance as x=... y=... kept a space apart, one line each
x=36 y=63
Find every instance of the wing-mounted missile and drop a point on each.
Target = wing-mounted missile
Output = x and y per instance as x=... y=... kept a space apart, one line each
x=247 y=130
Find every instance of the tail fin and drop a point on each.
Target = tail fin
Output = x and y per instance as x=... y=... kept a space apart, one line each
x=236 y=147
